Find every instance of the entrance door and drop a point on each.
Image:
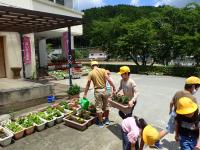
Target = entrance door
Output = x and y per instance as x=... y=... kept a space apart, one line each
x=2 y=60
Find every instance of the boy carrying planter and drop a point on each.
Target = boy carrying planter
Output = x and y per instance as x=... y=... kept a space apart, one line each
x=128 y=86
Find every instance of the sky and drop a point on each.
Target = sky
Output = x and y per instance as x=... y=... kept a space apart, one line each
x=85 y=4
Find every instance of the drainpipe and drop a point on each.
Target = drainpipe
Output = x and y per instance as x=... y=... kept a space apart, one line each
x=22 y=52
x=70 y=56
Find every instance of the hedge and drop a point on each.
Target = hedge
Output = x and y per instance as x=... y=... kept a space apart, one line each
x=161 y=70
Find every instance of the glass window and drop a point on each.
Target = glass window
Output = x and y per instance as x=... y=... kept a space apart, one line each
x=60 y=2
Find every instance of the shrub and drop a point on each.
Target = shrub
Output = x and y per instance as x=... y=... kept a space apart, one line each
x=74 y=90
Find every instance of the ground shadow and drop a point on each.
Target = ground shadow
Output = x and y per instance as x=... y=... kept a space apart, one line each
x=116 y=130
x=170 y=145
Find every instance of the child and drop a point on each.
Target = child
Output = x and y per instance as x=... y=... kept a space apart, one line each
x=132 y=129
x=129 y=89
x=187 y=124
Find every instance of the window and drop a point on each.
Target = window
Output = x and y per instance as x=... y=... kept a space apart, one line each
x=60 y=2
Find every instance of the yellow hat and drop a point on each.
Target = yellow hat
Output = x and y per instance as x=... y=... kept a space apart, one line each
x=94 y=63
x=192 y=80
x=123 y=69
x=186 y=106
x=150 y=135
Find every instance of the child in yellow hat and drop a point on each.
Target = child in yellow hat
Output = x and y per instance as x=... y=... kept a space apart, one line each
x=187 y=124
x=133 y=128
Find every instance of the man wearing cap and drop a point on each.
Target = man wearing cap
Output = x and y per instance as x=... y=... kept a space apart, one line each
x=128 y=86
x=99 y=77
x=187 y=124
x=191 y=86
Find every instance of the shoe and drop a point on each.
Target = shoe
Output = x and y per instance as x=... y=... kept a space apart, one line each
x=97 y=121
x=100 y=125
x=106 y=121
x=158 y=145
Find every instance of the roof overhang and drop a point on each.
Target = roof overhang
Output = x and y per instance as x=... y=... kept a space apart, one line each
x=29 y=21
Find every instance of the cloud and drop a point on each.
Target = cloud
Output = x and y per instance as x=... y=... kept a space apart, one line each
x=84 y=4
x=134 y=2
x=176 y=3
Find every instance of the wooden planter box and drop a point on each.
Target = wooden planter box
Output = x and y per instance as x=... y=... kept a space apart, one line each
x=19 y=134
x=91 y=121
x=75 y=125
x=4 y=141
x=124 y=108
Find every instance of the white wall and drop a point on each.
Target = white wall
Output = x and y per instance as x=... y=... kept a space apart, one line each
x=47 y=6
x=17 y=3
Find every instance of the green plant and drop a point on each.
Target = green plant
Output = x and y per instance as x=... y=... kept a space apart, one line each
x=14 y=127
x=121 y=99
x=35 y=118
x=74 y=90
x=64 y=104
x=25 y=122
x=61 y=109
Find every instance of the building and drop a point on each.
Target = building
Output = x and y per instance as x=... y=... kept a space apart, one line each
x=12 y=20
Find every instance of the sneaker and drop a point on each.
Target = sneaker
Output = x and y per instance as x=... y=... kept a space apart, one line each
x=100 y=125
x=158 y=145
x=106 y=121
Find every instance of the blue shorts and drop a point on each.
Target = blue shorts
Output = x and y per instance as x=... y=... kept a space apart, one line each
x=188 y=143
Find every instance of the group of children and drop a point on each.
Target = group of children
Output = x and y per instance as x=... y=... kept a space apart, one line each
x=183 y=120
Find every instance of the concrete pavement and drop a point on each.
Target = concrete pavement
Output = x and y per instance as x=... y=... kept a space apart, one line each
x=153 y=105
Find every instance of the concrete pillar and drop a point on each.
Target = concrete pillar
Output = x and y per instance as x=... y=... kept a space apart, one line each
x=43 y=53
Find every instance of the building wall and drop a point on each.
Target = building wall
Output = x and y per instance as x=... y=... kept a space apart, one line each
x=17 y=3
x=12 y=53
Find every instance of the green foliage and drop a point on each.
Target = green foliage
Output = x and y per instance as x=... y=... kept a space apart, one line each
x=161 y=70
x=121 y=99
x=25 y=122
x=74 y=90
x=35 y=118
x=14 y=127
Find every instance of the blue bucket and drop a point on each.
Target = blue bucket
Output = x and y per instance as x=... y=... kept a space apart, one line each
x=50 y=98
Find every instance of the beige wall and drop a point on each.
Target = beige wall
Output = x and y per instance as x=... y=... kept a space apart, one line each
x=12 y=52
x=17 y=3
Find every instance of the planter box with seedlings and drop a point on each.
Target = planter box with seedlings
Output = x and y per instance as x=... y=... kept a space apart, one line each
x=38 y=122
x=49 y=118
x=27 y=124
x=16 y=129
x=56 y=113
x=74 y=91
x=5 y=136
x=86 y=115
x=120 y=102
x=75 y=122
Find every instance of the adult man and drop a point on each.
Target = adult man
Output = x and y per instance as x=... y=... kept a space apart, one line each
x=99 y=77
x=128 y=86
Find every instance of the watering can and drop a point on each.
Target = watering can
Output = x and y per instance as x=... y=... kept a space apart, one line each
x=84 y=103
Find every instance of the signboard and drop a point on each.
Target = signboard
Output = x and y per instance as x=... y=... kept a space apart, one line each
x=65 y=43
x=27 y=50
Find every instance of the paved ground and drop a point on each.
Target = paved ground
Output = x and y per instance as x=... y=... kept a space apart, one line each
x=153 y=104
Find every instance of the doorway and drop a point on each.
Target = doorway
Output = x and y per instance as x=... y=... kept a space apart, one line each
x=2 y=59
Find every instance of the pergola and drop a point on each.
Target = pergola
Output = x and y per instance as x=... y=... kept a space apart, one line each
x=23 y=21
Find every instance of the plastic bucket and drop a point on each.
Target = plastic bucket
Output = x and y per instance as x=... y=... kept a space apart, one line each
x=50 y=98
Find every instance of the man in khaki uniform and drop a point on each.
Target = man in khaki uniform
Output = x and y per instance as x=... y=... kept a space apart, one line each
x=99 y=77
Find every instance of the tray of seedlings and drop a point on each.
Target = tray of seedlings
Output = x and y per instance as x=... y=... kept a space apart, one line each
x=27 y=124
x=5 y=136
x=75 y=122
x=48 y=118
x=16 y=129
x=38 y=122
x=120 y=102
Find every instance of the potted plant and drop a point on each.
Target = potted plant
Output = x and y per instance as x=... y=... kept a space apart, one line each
x=86 y=115
x=39 y=123
x=26 y=123
x=49 y=118
x=16 y=129
x=74 y=91
x=5 y=137
x=120 y=102
x=75 y=122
